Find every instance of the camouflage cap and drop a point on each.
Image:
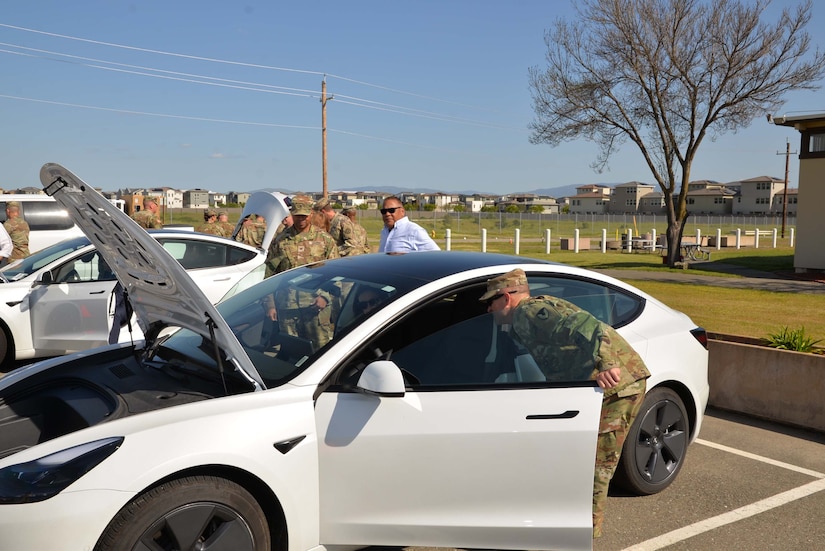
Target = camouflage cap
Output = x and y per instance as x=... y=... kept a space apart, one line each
x=301 y=205
x=321 y=204
x=209 y=212
x=510 y=280
x=151 y=198
x=13 y=204
x=223 y=213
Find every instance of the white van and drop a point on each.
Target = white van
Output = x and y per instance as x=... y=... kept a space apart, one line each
x=48 y=220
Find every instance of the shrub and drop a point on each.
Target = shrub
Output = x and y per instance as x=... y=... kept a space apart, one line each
x=792 y=339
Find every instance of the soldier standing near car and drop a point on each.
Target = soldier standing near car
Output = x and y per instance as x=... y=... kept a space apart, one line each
x=362 y=244
x=225 y=224
x=18 y=230
x=569 y=344
x=210 y=224
x=340 y=228
x=306 y=314
x=148 y=217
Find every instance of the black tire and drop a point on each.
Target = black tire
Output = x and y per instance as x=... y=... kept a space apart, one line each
x=656 y=444
x=6 y=351
x=198 y=512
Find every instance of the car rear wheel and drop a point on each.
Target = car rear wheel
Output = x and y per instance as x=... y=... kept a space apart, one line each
x=656 y=444
x=199 y=512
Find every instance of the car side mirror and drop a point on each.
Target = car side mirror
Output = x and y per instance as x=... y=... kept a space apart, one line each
x=45 y=278
x=382 y=378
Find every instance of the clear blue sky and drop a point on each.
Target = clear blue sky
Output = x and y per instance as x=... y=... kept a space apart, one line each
x=427 y=94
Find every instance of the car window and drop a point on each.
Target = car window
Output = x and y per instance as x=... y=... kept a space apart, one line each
x=194 y=255
x=85 y=268
x=41 y=215
x=610 y=305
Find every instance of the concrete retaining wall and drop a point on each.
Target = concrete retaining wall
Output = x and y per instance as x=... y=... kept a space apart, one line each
x=773 y=384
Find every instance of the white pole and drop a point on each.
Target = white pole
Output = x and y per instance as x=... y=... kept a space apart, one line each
x=629 y=240
x=518 y=233
x=792 y=236
x=547 y=241
x=756 y=238
x=775 y=234
x=604 y=240
x=738 y=238
x=718 y=238
x=449 y=238
x=576 y=240
x=484 y=240
x=653 y=239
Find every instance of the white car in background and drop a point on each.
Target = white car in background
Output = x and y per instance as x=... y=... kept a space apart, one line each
x=414 y=425
x=59 y=299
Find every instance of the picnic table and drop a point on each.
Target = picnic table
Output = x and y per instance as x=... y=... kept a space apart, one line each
x=694 y=251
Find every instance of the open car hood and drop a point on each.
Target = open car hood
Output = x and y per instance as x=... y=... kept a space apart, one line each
x=271 y=206
x=161 y=292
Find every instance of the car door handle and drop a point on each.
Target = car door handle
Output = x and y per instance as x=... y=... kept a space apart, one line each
x=222 y=279
x=96 y=292
x=569 y=414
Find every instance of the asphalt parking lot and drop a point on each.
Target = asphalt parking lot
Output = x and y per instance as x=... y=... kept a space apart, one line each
x=746 y=485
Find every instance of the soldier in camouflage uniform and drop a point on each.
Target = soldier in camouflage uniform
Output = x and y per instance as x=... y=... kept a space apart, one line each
x=210 y=225
x=223 y=222
x=340 y=228
x=18 y=230
x=362 y=245
x=306 y=314
x=148 y=217
x=569 y=344
x=252 y=231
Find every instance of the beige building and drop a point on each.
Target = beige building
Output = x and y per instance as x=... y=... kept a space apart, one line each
x=809 y=254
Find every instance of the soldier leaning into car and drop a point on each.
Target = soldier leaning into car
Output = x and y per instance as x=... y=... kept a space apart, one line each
x=18 y=230
x=570 y=344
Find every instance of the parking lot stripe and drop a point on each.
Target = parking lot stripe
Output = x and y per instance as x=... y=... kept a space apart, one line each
x=767 y=460
x=741 y=513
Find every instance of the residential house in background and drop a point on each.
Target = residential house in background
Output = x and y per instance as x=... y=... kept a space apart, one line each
x=626 y=198
x=196 y=199
x=756 y=195
x=238 y=197
x=652 y=203
x=593 y=202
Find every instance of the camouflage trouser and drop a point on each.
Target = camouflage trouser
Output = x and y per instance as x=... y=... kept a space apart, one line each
x=618 y=413
x=308 y=323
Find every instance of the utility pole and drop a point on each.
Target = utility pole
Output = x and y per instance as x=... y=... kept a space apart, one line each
x=324 y=99
x=787 y=155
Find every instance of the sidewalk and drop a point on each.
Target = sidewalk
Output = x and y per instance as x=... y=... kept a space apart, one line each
x=748 y=278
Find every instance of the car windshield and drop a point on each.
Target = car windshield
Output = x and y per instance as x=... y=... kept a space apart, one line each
x=311 y=306
x=27 y=266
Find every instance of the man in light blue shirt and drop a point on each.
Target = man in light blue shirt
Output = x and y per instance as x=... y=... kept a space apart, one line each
x=400 y=234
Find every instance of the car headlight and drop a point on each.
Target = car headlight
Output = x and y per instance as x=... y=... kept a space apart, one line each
x=46 y=477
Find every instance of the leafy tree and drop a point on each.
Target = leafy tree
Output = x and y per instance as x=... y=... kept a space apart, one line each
x=513 y=209
x=535 y=209
x=459 y=208
x=429 y=207
x=488 y=208
x=666 y=74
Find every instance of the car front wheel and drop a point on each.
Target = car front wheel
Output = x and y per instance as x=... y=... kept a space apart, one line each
x=656 y=444
x=199 y=512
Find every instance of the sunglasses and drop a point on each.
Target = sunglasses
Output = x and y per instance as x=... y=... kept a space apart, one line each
x=494 y=298
x=390 y=210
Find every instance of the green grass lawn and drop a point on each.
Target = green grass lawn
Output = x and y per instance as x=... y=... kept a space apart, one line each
x=746 y=312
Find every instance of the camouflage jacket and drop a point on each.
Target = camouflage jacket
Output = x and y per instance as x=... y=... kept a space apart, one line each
x=291 y=249
x=252 y=233
x=146 y=219
x=342 y=231
x=361 y=240
x=570 y=344
x=18 y=230
x=211 y=228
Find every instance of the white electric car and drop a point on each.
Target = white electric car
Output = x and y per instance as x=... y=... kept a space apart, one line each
x=402 y=425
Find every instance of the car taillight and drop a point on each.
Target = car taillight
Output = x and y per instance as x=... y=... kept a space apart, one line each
x=700 y=335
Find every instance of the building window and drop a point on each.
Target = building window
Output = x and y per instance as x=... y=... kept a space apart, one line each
x=813 y=144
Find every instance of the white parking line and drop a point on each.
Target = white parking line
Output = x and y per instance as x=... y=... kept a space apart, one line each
x=736 y=515
x=755 y=457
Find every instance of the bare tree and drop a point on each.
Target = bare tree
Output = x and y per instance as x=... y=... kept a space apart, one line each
x=666 y=74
